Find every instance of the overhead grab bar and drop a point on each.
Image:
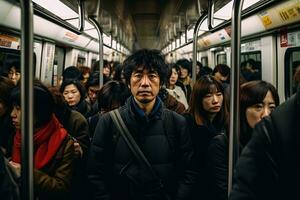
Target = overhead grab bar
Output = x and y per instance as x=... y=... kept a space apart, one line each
x=27 y=100
x=210 y=19
x=234 y=127
x=81 y=14
x=100 y=39
x=196 y=30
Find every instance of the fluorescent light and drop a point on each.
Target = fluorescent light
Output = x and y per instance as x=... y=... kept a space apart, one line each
x=57 y=8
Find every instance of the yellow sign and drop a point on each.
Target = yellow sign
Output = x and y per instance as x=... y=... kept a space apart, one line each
x=266 y=20
x=290 y=12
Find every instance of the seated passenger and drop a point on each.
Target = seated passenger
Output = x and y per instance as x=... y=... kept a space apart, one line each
x=53 y=148
x=206 y=117
x=173 y=89
x=74 y=94
x=6 y=127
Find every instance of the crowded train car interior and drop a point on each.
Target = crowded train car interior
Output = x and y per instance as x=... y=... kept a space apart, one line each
x=40 y=40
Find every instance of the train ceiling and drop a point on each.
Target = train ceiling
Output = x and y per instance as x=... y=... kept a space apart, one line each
x=145 y=23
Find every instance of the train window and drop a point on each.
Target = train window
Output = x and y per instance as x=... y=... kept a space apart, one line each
x=251 y=65
x=291 y=70
x=221 y=58
x=59 y=60
x=7 y=56
x=204 y=61
x=80 y=61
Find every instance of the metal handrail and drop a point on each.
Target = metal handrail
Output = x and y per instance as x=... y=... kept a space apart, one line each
x=196 y=30
x=27 y=100
x=99 y=31
x=81 y=14
x=210 y=19
x=234 y=128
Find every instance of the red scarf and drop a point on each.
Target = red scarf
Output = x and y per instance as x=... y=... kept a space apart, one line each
x=47 y=141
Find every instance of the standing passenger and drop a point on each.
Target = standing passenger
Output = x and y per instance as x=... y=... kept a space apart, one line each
x=161 y=134
x=257 y=100
x=14 y=72
x=173 y=89
x=185 y=79
x=74 y=94
x=269 y=165
x=6 y=127
x=207 y=118
x=53 y=149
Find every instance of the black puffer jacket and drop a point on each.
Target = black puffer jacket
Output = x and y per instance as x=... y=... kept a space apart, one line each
x=115 y=174
x=269 y=164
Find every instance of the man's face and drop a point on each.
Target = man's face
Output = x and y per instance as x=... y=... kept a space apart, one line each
x=144 y=85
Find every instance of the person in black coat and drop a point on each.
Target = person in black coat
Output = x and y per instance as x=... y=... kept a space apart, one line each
x=207 y=117
x=269 y=164
x=160 y=133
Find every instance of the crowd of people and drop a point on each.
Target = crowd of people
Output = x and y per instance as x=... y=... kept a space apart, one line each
x=176 y=141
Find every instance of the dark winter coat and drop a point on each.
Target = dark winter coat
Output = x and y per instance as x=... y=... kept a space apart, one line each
x=77 y=126
x=269 y=165
x=217 y=167
x=202 y=136
x=7 y=132
x=9 y=188
x=113 y=170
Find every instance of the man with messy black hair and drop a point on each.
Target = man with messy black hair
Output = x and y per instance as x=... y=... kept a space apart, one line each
x=161 y=134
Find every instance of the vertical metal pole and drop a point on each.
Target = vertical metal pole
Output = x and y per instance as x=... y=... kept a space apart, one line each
x=234 y=128
x=27 y=76
x=99 y=31
x=196 y=30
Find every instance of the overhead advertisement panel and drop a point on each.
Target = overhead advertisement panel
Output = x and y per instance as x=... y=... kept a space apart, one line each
x=285 y=13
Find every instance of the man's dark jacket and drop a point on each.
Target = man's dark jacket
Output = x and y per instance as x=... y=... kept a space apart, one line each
x=269 y=167
x=115 y=173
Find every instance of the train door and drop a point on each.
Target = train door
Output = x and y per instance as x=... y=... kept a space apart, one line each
x=58 y=67
x=47 y=63
x=9 y=52
x=37 y=57
x=220 y=57
x=288 y=60
x=291 y=70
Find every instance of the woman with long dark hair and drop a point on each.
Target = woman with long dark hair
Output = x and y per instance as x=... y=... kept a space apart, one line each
x=207 y=117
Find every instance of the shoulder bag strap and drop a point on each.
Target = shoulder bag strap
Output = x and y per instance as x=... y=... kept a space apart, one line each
x=118 y=121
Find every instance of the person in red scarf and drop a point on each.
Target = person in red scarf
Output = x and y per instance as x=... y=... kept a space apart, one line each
x=53 y=147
